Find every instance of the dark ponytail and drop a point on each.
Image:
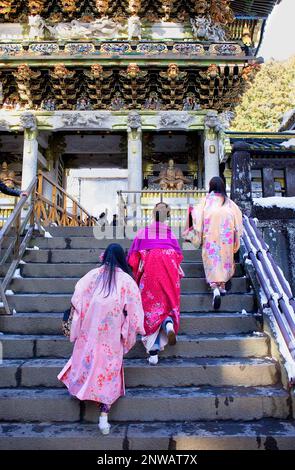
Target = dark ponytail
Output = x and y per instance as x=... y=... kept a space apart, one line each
x=217 y=185
x=114 y=257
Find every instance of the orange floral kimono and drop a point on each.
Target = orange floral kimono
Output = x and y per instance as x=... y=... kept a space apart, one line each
x=218 y=227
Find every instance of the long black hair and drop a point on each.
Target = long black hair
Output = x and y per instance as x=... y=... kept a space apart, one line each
x=217 y=185
x=113 y=257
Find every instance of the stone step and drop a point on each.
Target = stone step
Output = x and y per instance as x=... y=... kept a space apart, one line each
x=189 y=302
x=72 y=232
x=49 y=323
x=67 y=285
x=60 y=243
x=266 y=434
x=25 y=346
x=79 y=270
x=148 y=404
x=110 y=235
x=168 y=373
x=81 y=256
x=229 y=303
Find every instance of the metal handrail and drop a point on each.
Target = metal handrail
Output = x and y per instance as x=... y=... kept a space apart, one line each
x=132 y=210
x=273 y=284
x=17 y=247
x=164 y=191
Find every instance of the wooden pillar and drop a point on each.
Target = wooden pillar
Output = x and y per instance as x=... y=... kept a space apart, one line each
x=290 y=181
x=268 y=182
x=241 y=191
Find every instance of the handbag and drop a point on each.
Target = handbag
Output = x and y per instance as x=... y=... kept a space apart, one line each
x=67 y=322
x=190 y=234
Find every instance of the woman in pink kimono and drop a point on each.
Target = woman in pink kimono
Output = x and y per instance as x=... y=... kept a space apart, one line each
x=155 y=258
x=107 y=317
x=217 y=225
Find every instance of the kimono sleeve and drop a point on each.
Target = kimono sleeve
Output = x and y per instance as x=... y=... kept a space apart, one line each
x=196 y=234
x=77 y=305
x=133 y=317
x=134 y=263
x=238 y=221
x=75 y=326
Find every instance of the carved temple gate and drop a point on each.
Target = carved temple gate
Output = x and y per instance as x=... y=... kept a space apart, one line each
x=135 y=67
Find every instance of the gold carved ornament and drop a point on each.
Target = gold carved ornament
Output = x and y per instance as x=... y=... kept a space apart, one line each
x=102 y=6
x=99 y=84
x=221 y=12
x=61 y=72
x=167 y=8
x=134 y=83
x=69 y=6
x=211 y=73
x=249 y=72
x=173 y=86
x=134 y=6
x=29 y=84
x=25 y=73
x=65 y=86
x=6 y=7
x=173 y=73
x=36 y=7
x=201 y=7
x=246 y=36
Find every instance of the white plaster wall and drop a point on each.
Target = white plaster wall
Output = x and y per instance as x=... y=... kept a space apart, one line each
x=98 y=188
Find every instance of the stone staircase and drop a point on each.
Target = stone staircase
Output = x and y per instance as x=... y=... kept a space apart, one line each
x=216 y=389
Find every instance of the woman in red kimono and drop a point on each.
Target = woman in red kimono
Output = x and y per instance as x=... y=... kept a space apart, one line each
x=155 y=258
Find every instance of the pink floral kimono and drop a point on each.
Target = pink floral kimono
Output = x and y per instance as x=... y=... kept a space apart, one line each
x=155 y=258
x=218 y=227
x=103 y=329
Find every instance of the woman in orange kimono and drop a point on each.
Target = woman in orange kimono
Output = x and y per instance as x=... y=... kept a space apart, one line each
x=217 y=225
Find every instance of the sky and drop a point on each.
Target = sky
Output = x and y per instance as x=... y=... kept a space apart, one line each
x=279 y=35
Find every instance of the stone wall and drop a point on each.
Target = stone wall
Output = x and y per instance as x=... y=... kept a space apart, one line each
x=278 y=228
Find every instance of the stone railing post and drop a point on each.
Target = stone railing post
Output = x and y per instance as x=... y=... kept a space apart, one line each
x=241 y=191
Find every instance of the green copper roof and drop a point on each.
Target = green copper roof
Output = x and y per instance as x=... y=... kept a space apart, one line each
x=257 y=8
x=268 y=143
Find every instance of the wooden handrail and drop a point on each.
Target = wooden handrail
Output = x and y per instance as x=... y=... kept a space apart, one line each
x=59 y=213
x=17 y=247
x=35 y=208
x=62 y=190
x=13 y=216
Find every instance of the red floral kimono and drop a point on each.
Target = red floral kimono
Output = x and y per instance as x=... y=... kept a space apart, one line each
x=157 y=272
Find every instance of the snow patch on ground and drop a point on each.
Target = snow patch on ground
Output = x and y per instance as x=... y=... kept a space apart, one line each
x=47 y=235
x=287 y=144
x=9 y=292
x=275 y=201
x=17 y=274
x=286 y=117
